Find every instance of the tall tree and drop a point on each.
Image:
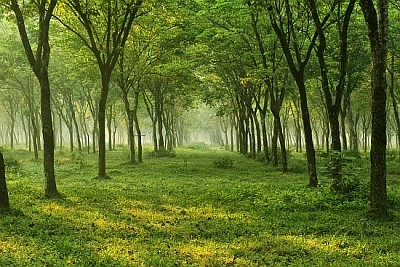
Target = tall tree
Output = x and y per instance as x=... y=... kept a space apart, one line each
x=39 y=62
x=333 y=101
x=377 y=22
x=289 y=22
x=103 y=28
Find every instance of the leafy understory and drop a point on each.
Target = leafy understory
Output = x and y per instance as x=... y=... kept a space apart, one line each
x=186 y=211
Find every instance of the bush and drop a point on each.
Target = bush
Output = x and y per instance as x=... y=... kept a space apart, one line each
x=391 y=155
x=12 y=165
x=345 y=168
x=79 y=158
x=199 y=145
x=162 y=154
x=223 y=163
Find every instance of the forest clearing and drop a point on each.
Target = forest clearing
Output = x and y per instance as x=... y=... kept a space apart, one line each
x=188 y=210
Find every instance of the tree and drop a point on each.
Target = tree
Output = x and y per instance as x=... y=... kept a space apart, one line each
x=270 y=65
x=4 y=201
x=103 y=27
x=377 y=23
x=39 y=62
x=333 y=102
x=286 y=18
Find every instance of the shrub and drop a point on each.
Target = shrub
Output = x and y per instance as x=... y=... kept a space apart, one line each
x=346 y=169
x=391 y=155
x=162 y=154
x=223 y=163
x=12 y=165
x=79 y=158
x=198 y=145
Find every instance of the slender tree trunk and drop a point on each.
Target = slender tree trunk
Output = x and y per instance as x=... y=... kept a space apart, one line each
x=274 y=144
x=34 y=132
x=102 y=124
x=343 y=129
x=258 y=131
x=50 y=187
x=12 y=133
x=310 y=151
x=154 y=134
x=280 y=135
x=232 y=120
x=139 y=138
x=109 y=127
x=394 y=102
x=252 y=135
x=265 y=138
x=71 y=137
x=158 y=114
x=78 y=136
x=61 y=131
x=131 y=137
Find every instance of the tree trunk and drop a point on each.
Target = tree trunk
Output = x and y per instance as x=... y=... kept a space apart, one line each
x=394 y=102
x=310 y=151
x=377 y=24
x=34 y=136
x=274 y=144
x=232 y=120
x=78 y=136
x=102 y=124
x=109 y=127
x=4 y=201
x=343 y=129
x=131 y=137
x=50 y=187
x=265 y=138
x=139 y=138
x=71 y=137
x=252 y=135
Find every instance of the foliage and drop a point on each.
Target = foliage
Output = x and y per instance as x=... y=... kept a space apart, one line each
x=12 y=165
x=159 y=214
x=392 y=155
x=223 y=163
x=352 y=168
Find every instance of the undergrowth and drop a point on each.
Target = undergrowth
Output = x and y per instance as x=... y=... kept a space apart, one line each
x=182 y=211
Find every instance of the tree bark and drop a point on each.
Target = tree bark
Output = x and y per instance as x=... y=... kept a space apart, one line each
x=137 y=127
x=50 y=186
x=102 y=122
x=377 y=24
x=394 y=102
x=4 y=201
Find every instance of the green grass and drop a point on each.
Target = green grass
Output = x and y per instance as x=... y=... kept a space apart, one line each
x=184 y=211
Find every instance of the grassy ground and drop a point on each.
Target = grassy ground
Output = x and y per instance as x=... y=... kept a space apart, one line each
x=183 y=211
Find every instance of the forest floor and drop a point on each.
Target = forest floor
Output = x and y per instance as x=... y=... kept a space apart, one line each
x=185 y=211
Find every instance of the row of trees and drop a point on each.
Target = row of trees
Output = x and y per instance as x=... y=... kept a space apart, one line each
x=274 y=70
x=321 y=45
